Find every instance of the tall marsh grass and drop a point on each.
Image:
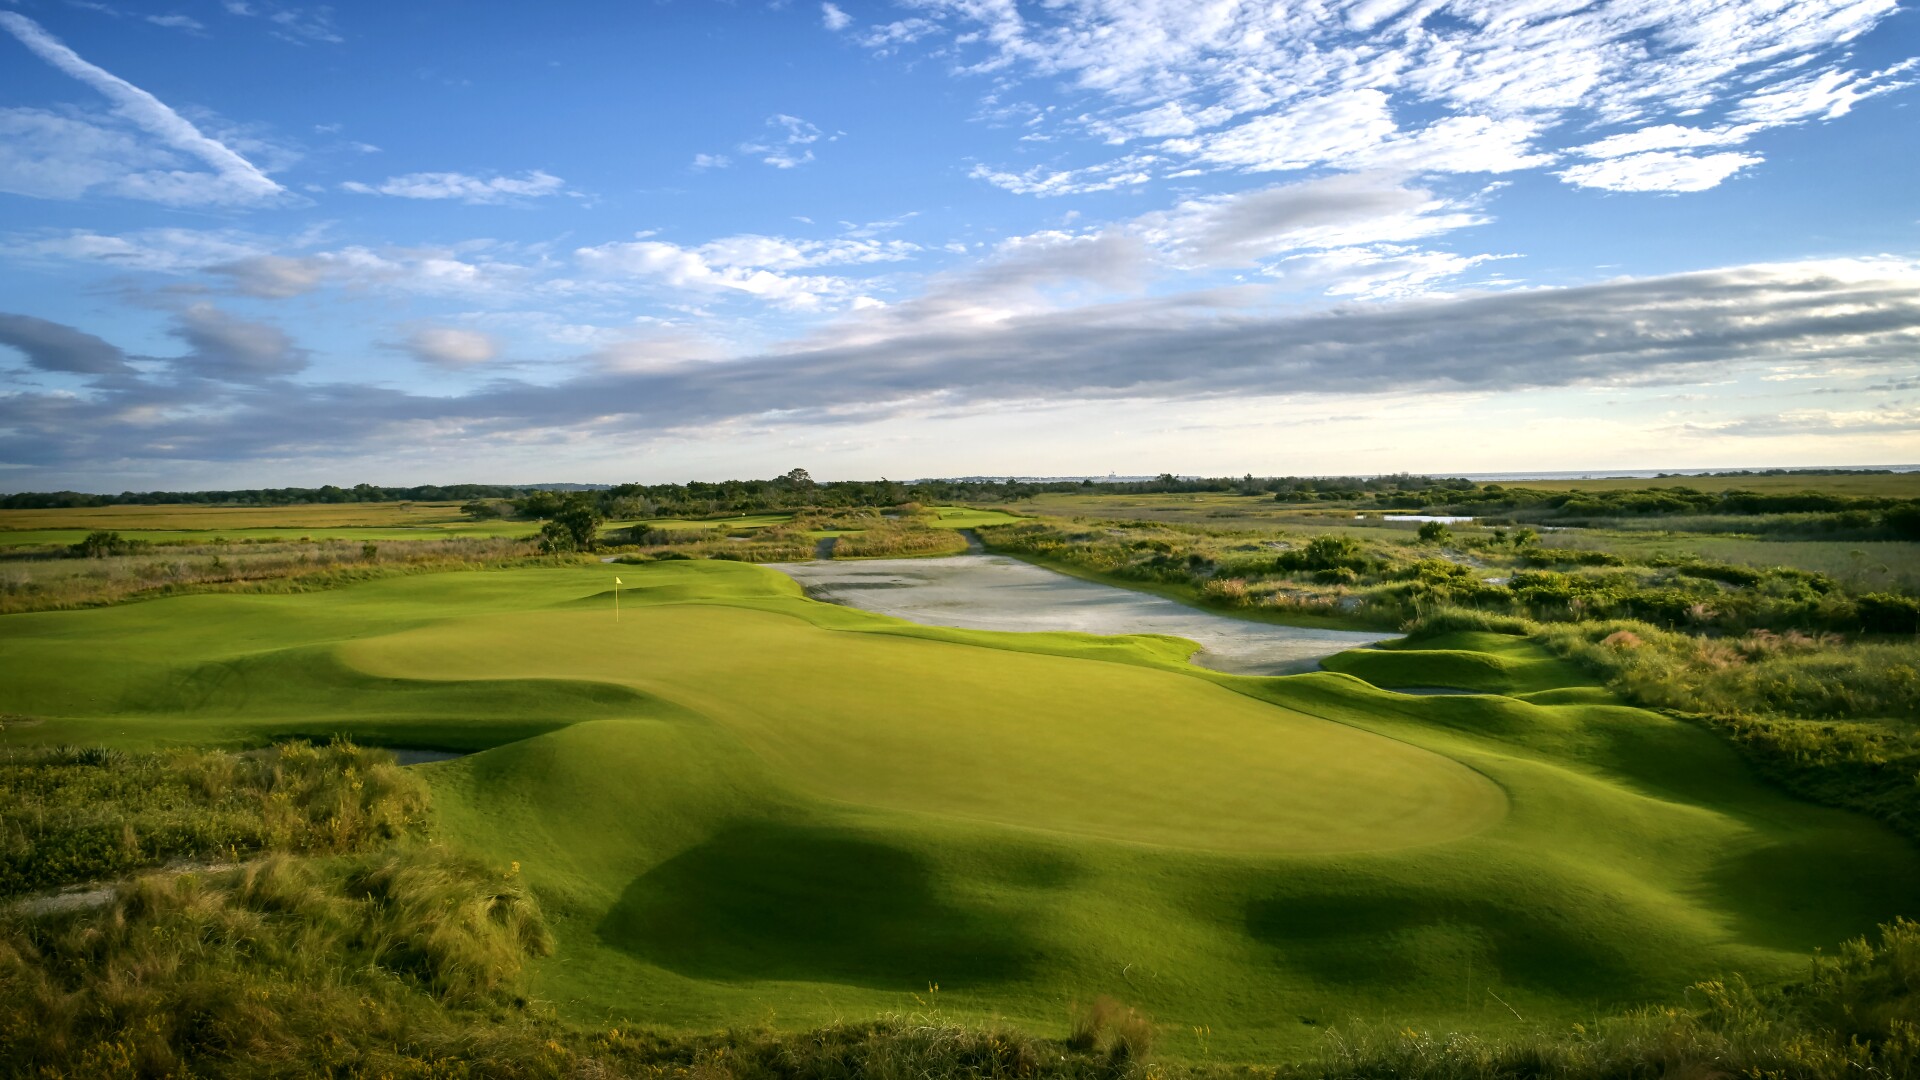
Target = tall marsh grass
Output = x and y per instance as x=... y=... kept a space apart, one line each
x=70 y=815
x=41 y=582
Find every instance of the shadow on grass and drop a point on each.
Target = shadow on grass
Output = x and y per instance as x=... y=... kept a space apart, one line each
x=772 y=901
x=1414 y=939
x=1810 y=891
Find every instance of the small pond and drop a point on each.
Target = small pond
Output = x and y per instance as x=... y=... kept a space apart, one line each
x=407 y=755
x=993 y=592
x=1444 y=519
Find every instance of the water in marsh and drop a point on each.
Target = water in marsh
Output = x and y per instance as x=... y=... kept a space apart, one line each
x=407 y=755
x=1444 y=519
x=993 y=592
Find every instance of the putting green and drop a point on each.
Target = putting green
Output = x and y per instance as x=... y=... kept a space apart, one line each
x=1125 y=753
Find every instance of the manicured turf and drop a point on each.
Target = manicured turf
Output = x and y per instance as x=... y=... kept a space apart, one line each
x=968 y=517
x=1483 y=663
x=745 y=807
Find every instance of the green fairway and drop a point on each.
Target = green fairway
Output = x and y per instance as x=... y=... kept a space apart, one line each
x=968 y=517
x=742 y=806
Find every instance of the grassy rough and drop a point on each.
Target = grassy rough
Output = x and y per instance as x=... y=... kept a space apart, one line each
x=286 y=967
x=70 y=815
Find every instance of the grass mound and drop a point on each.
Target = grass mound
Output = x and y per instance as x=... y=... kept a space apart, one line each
x=1462 y=660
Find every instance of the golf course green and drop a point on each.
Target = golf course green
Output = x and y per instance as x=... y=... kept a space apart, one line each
x=741 y=806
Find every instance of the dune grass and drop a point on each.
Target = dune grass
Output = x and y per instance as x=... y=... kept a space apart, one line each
x=71 y=815
x=738 y=805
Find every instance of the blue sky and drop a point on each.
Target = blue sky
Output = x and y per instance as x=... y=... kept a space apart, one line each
x=245 y=242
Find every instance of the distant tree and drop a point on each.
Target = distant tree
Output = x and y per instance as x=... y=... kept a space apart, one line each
x=539 y=505
x=798 y=478
x=481 y=509
x=575 y=526
x=1435 y=532
x=1525 y=538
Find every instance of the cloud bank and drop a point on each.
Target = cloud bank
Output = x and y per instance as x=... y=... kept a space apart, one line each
x=1863 y=314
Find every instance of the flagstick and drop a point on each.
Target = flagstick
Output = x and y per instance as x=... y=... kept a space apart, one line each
x=616 y=599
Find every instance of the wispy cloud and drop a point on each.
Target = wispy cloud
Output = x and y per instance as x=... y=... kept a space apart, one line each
x=761 y=267
x=1271 y=87
x=787 y=143
x=1663 y=170
x=233 y=180
x=467 y=189
x=300 y=25
x=178 y=22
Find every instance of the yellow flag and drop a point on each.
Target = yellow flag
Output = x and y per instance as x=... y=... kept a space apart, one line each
x=616 y=581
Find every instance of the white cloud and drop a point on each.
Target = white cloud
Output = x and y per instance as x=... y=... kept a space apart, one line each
x=273 y=277
x=1374 y=272
x=277 y=268
x=1666 y=137
x=1337 y=127
x=468 y=189
x=1861 y=315
x=177 y=22
x=222 y=346
x=1891 y=417
x=290 y=23
x=787 y=142
x=164 y=250
x=833 y=18
x=886 y=38
x=450 y=346
x=109 y=160
x=1172 y=118
x=711 y=161
x=1252 y=86
x=748 y=265
x=1659 y=171
x=1342 y=211
x=1125 y=172
x=1821 y=95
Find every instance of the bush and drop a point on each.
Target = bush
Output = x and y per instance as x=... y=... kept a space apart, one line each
x=100 y=545
x=1889 y=613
